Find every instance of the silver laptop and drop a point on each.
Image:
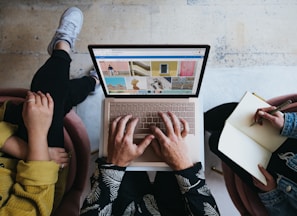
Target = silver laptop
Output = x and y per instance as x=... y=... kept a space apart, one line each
x=144 y=79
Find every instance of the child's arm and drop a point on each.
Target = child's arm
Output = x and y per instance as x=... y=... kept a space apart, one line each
x=15 y=147
x=18 y=148
x=34 y=186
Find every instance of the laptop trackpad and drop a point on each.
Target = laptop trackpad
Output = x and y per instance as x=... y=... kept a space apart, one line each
x=148 y=156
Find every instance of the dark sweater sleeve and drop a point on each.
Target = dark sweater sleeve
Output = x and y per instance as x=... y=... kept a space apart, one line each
x=105 y=183
x=197 y=196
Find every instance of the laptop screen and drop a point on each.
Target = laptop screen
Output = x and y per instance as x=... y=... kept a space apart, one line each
x=150 y=70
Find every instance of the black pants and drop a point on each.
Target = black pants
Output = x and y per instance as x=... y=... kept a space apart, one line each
x=214 y=121
x=165 y=189
x=53 y=78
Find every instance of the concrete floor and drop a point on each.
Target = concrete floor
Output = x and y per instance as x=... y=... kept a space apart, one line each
x=26 y=27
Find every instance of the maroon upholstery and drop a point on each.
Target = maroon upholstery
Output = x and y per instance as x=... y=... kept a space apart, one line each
x=77 y=142
x=246 y=200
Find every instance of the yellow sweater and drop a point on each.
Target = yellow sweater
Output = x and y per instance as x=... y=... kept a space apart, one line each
x=26 y=188
x=6 y=129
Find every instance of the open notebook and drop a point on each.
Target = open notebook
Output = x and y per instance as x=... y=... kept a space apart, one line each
x=144 y=79
x=246 y=144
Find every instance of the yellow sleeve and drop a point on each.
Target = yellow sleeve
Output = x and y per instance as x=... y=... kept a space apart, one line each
x=6 y=130
x=2 y=110
x=33 y=192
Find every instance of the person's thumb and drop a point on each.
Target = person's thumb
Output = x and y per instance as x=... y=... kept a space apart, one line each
x=145 y=142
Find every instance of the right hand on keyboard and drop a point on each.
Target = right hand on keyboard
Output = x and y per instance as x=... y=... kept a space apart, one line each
x=171 y=147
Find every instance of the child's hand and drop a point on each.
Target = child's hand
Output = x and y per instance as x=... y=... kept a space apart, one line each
x=59 y=155
x=271 y=184
x=38 y=113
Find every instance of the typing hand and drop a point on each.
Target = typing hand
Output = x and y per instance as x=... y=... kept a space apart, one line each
x=172 y=147
x=121 y=149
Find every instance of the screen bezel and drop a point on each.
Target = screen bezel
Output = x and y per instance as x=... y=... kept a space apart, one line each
x=91 y=48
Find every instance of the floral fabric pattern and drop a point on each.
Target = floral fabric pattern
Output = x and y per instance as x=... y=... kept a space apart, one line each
x=107 y=179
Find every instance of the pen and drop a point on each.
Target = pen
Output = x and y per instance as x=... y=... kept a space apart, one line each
x=258 y=96
x=278 y=108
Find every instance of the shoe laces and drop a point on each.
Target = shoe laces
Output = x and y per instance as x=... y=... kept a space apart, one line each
x=67 y=28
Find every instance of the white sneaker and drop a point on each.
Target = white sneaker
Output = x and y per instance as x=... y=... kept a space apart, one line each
x=93 y=73
x=70 y=25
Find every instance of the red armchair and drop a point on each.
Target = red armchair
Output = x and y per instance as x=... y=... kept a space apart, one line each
x=76 y=141
x=246 y=200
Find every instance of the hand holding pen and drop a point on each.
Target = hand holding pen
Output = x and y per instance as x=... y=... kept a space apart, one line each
x=272 y=114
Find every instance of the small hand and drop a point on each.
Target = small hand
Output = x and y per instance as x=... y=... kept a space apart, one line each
x=121 y=149
x=59 y=155
x=37 y=116
x=276 y=119
x=172 y=147
x=271 y=184
x=38 y=112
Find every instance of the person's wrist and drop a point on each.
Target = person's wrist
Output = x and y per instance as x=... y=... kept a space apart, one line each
x=117 y=162
x=182 y=166
x=37 y=140
x=37 y=133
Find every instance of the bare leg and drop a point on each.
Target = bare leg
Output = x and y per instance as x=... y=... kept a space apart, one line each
x=62 y=45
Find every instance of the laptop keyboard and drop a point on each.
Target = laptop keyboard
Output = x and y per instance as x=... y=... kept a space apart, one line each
x=148 y=113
